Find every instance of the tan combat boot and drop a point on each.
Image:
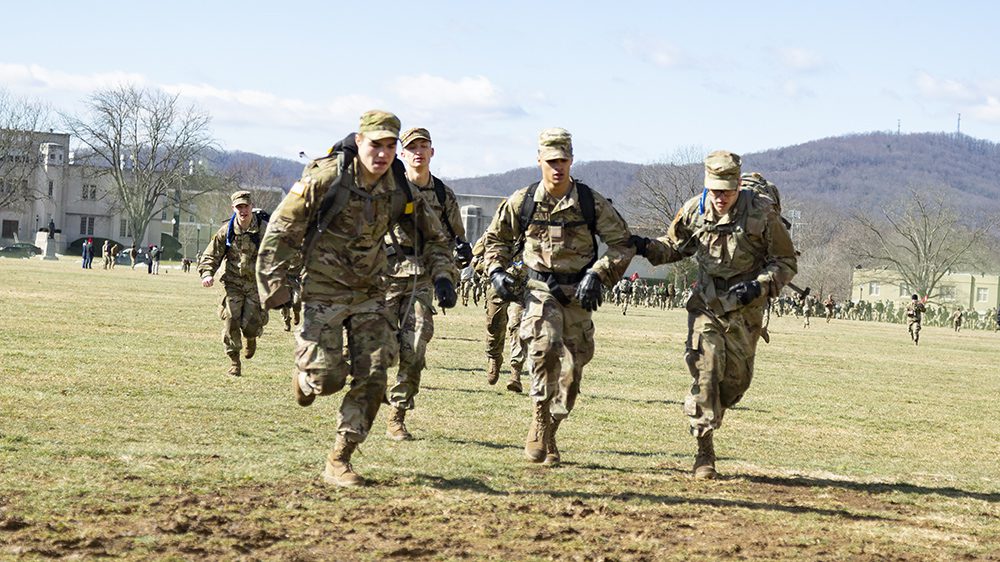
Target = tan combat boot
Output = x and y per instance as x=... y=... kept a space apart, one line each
x=551 y=451
x=296 y=320
x=704 y=463
x=288 y=319
x=395 y=429
x=339 y=471
x=534 y=445
x=493 y=371
x=235 y=368
x=251 y=347
x=514 y=385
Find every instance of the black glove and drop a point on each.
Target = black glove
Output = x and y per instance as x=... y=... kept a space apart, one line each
x=444 y=290
x=463 y=253
x=746 y=291
x=589 y=293
x=640 y=244
x=503 y=284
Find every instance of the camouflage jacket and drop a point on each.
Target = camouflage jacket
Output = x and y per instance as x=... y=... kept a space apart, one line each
x=240 y=256
x=750 y=242
x=914 y=310
x=348 y=261
x=405 y=231
x=559 y=249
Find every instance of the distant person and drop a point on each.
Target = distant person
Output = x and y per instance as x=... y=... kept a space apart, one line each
x=52 y=229
x=830 y=306
x=115 y=250
x=185 y=264
x=956 y=320
x=237 y=242
x=914 y=315
x=133 y=253
x=88 y=252
x=156 y=253
x=106 y=254
x=149 y=259
x=745 y=256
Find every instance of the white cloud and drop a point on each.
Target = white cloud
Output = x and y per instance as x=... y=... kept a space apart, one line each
x=29 y=77
x=800 y=60
x=945 y=89
x=476 y=94
x=653 y=51
x=989 y=110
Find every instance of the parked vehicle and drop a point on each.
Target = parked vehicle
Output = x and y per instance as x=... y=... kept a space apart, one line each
x=20 y=250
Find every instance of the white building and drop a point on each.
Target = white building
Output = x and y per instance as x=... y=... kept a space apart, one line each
x=73 y=198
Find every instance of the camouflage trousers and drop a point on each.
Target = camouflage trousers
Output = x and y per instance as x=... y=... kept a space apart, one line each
x=518 y=351
x=415 y=331
x=372 y=349
x=720 y=353
x=295 y=288
x=242 y=314
x=914 y=329
x=496 y=323
x=560 y=342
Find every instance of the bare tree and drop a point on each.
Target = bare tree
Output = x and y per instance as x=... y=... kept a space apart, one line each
x=147 y=144
x=19 y=153
x=922 y=239
x=661 y=188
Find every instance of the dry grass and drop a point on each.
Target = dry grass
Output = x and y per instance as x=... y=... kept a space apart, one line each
x=120 y=435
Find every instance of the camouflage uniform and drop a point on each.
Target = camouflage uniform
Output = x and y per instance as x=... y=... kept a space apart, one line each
x=748 y=245
x=344 y=285
x=240 y=309
x=914 y=312
x=558 y=247
x=292 y=314
x=409 y=277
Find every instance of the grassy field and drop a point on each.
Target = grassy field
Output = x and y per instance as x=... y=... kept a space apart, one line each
x=121 y=435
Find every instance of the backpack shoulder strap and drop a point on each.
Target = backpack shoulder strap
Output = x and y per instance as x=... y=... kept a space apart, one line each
x=442 y=197
x=587 y=205
x=527 y=210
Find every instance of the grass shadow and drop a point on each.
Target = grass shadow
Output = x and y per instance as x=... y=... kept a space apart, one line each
x=870 y=488
x=479 y=486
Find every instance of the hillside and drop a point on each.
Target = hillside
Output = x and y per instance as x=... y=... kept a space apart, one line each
x=861 y=169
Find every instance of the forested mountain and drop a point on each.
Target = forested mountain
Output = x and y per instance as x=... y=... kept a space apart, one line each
x=860 y=170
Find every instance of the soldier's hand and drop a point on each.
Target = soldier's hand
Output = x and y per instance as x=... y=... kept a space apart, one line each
x=503 y=284
x=640 y=243
x=746 y=291
x=589 y=293
x=444 y=290
x=463 y=253
x=207 y=281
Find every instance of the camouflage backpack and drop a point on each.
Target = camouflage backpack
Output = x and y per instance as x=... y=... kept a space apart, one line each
x=756 y=182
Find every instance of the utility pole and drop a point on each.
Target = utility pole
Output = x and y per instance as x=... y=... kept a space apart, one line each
x=958 y=129
x=899 y=125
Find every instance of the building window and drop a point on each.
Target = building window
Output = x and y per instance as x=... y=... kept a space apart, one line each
x=904 y=290
x=948 y=293
x=9 y=229
x=89 y=191
x=874 y=289
x=163 y=215
x=87 y=225
x=123 y=229
x=51 y=186
x=982 y=294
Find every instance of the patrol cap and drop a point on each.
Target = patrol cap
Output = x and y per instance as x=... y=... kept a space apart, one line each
x=722 y=170
x=240 y=197
x=416 y=133
x=555 y=143
x=377 y=125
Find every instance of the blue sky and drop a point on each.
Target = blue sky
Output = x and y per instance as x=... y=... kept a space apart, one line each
x=633 y=81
